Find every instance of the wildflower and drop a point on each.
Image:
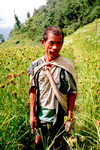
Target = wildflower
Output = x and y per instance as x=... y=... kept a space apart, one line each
x=93 y=86
x=9 y=76
x=93 y=77
x=14 y=75
x=27 y=104
x=2 y=85
x=69 y=141
x=96 y=107
x=11 y=80
x=22 y=72
x=8 y=143
x=90 y=67
x=6 y=68
x=66 y=119
x=25 y=72
x=19 y=74
x=12 y=135
x=7 y=83
x=98 y=92
x=27 y=82
x=95 y=96
x=8 y=63
x=14 y=83
x=14 y=93
x=23 y=147
x=75 y=141
x=97 y=123
x=98 y=66
x=33 y=59
x=82 y=138
x=72 y=142
x=48 y=126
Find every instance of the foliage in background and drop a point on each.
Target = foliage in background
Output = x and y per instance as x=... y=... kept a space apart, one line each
x=28 y=14
x=18 y=23
x=68 y=15
x=1 y=38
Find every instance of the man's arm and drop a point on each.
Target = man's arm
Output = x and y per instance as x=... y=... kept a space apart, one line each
x=71 y=104
x=33 y=119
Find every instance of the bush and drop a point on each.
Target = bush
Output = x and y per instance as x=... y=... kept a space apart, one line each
x=75 y=26
x=95 y=13
x=23 y=29
x=1 y=38
x=67 y=31
x=38 y=38
x=16 y=42
x=30 y=20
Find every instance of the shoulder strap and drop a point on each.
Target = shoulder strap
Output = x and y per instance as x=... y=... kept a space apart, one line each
x=62 y=98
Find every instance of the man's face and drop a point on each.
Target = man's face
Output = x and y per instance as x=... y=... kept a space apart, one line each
x=52 y=46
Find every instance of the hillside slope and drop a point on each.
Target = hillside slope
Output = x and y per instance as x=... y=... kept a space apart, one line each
x=85 y=44
x=68 y=15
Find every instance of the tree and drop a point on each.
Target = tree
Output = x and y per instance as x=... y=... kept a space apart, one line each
x=49 y=1
x=28 y=14
x=18 y=23
x=1 y=38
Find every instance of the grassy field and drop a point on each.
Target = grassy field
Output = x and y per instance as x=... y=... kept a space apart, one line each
x=83 y=49
x=86 y=47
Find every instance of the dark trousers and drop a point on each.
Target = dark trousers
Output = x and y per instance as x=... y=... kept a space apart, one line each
x=48 y=133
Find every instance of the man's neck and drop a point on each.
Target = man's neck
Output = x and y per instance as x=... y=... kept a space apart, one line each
x=49 y=59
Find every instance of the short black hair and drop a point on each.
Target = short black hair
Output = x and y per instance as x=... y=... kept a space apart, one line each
x=53 y=29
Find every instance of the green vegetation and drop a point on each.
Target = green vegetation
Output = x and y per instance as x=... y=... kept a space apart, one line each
x=18 y=24
x=14 y=101
x=1 y=38
x=86 y=47
x=68 y=15
x=83 y=49
x=81 y=46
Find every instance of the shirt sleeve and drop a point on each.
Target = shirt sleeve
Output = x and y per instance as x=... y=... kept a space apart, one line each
x=72 y=84
x=30 y=72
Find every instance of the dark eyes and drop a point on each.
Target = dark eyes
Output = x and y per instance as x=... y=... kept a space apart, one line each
x=51 y=42
x=59 y=42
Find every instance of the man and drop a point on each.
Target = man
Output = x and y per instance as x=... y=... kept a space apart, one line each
x=46 y=72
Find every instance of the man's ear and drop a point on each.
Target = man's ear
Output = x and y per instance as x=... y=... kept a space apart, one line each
x=43 y=42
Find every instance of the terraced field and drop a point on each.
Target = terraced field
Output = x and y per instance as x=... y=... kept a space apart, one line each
x=83 y=49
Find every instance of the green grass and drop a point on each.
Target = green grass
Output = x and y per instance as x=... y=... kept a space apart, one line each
x=86 y=47
x=83 y=49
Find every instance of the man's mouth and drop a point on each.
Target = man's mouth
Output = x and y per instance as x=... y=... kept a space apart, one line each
x=53 y=52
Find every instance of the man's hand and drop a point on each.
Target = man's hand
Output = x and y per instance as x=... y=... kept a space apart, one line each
x=71 y=104
x=33 y=122
x=68 y=125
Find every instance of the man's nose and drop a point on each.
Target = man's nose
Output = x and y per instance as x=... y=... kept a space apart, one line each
x=54 y=46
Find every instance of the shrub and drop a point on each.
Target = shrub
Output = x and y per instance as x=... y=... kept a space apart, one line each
x=75 y=26
x=67 y=31
x=23 y=29
x=95 y=13
x=38 y=39
x=16 y=42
